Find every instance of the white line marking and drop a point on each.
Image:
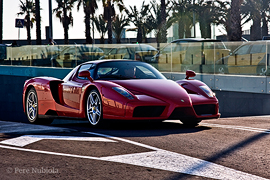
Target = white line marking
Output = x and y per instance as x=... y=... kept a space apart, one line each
x=165 y=160
x=125 y=140
x=158 y=159
x=266 y=131
x=29 y=139
x=170 y=161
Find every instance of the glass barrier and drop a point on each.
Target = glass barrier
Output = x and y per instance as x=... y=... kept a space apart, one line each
x=204 y=56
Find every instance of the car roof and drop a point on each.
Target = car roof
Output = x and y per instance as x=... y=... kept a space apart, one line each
x=196 y=40
x=108 y=60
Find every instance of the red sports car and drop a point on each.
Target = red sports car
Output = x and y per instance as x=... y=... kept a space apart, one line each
x=118 y=89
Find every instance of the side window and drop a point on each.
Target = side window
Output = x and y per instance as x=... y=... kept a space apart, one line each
x=122 y=51
x=256 y=48
x=243 y=50
x=166 y=49
x=104 y=70
x=113 y=51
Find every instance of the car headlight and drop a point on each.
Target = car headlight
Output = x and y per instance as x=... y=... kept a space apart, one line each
x=208 y=91
x=123 y=92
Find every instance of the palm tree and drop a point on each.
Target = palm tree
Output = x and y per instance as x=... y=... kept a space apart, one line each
x=37 y=17
x=27 y=8
x=207 y=13
x=101 y=27
x=89 y=8
x=253 y=10
x=118 y=26
x=155 y=21
x=183 y=15
x=109 y=14
x=257 y=12
x=63 y=8
x=225 y=14
x=163 y=21
x=138 y=19
x=235 y=21
x=265 y=9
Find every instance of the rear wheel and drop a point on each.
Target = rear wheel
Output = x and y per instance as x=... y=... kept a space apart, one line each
x=94 y=108
x=31 y=107
x=191 y=122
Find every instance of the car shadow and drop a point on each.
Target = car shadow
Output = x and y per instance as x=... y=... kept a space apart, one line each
x=133 y=128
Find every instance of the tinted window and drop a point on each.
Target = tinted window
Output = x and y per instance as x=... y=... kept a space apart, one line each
x=242 y=50
x=256 y=48
x=89 y=67
x=126 y=70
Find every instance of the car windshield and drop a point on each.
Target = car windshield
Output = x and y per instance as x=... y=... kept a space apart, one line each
x=126 y=70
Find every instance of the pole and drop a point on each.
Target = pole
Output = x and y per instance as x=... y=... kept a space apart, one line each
x=93 y=41
x=1 y=17
x=194 y=24
x=50 y=20
x=38 y=32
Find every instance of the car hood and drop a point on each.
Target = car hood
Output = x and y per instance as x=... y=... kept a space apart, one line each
x=165 y=90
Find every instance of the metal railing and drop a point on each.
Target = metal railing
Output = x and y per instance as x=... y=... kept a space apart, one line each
x=237 y=58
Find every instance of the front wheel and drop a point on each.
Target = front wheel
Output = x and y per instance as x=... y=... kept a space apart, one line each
x=31 y=106
x=94 y=108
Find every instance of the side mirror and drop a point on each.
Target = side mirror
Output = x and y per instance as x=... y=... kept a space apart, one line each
x=189 y=74
x=86 y=74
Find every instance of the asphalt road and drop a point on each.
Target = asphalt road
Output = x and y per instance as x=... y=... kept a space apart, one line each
x=227 y=148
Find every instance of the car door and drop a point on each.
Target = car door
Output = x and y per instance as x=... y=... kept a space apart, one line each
x=72 y=89
x=240 y=56
x=257 y=53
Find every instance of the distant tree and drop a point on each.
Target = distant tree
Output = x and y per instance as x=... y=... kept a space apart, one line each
x=258 y=13
x=154 y=20
x=27 y=9
x=207 y=13
x=253 y=10
x=235 y=21
x=163 y=37
x=118 y=26
x=63 y=12
x=183 y=16
x=89 y=8
x=138 y=18
x=225 y=14
x=109 y=14
x=101 y=27
x=265 y=18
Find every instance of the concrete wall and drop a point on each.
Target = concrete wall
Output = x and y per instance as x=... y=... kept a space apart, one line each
x=238 y=95
x=12 y=79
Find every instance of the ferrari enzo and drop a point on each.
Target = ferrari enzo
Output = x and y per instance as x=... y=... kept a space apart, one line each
x=120 y=90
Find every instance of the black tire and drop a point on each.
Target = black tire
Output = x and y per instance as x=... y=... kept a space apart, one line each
x=190 y=122
x=94 y=111
x=31 y=108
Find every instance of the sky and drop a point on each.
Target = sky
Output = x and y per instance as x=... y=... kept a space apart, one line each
x=11 y=8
